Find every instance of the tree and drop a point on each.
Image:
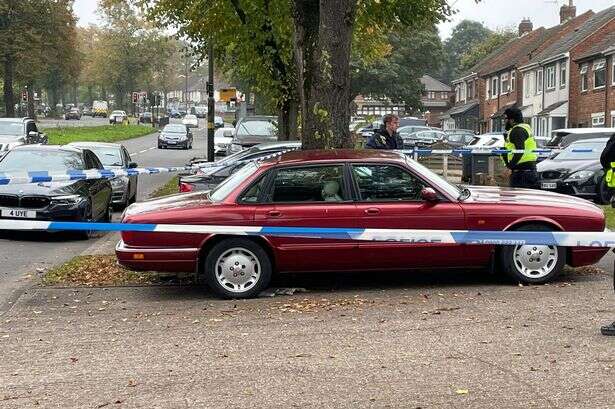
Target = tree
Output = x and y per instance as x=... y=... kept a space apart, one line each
x=481 y=50
x=465 y=36
x=397 y=75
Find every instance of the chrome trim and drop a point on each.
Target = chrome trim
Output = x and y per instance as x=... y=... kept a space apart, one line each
x=122 y=247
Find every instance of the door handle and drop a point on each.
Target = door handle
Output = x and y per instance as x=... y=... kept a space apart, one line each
x=372 y=210
x=274 y=213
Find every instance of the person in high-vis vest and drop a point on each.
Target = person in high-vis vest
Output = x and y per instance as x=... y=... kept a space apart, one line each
x=519 y=137
x=607 y=160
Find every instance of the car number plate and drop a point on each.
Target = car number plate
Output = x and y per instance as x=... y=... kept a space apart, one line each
x=549 y=185
x=172 y=142
x=23 y=214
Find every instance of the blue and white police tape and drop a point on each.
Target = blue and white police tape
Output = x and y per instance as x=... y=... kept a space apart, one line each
x=472 y=237
x=39 y=176
x=493 y=152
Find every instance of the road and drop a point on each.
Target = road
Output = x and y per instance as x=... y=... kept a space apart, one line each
x=22 y=253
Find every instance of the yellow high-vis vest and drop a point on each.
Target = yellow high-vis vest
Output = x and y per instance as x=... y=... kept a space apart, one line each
x=529 y=147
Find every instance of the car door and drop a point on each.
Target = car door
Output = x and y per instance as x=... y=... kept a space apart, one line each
x=133 y=178
x=310 y=196
x=100 y=191
x=389 y=197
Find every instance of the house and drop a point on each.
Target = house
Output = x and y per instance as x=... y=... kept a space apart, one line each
x=547 y=77
x=436 y=99
x=366 y=106
x=592 y=79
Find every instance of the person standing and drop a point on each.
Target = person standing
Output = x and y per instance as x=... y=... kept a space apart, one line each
x=519 y=137
x=607 y=160
x=386 y=137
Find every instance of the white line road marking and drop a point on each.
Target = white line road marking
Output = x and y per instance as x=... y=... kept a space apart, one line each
x=143 y=151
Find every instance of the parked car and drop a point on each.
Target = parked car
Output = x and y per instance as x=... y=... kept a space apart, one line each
x=118 y=117
x=175 y=135
x=76 y=200
x=87 y=111
x=493 y=140
x=369 y=130
x=223 y=137
x=253 y=130
x=100 y=108
x=174 y=113
x=200 y=111
x=561 y=138
x=576 y=173
x=191 y=121
x=218 y=122
x=19 y=131
x=359 y=189
x=412 y=121
x=209 y=178
x=421 y=139
x=73 y=113
x=114 y=156
x=459 y=138
x=145 y=118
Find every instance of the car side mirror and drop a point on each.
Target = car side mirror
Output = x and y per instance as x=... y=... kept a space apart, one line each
x=228 y=133
x=429 y=195
x=32 y=134
x=133 y=165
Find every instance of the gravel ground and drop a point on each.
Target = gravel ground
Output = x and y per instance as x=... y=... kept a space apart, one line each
x=447 y=339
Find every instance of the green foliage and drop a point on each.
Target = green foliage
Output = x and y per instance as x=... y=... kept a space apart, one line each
x=106 y=133
x=484 y=48
x=397 y=76
x=465 y=36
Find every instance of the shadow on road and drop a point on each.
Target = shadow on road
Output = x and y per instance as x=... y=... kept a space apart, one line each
x=45 y=236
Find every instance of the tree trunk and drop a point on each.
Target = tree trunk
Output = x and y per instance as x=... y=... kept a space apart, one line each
x=9 y=96
x=287 y=120
x=90 y=96
x=323 y=36
x=53 y=99
x=31 y=112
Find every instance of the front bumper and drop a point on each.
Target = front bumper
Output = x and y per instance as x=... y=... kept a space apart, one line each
x=76 y=212
x=585 y=189
x=157 y=259
x=173 y=144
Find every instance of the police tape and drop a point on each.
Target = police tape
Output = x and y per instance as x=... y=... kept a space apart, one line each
x=41 y=176
x=411 y=236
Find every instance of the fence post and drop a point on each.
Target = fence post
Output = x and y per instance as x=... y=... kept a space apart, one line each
x=445 y=165
x=491 y=167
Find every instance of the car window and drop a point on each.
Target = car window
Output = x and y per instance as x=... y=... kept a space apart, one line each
x=251 y=128
x=225 y=188
x=43 y=160
x=253 y=193
x=568 y=154
x=309 y=184
x=386 y=183
x=174 y=128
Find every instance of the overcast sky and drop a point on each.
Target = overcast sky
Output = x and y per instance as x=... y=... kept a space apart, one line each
x=493 y=13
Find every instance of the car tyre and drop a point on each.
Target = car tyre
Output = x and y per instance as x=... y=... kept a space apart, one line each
x=87 y=218
x=529 y=264
x=237 y=268
x=604 y=194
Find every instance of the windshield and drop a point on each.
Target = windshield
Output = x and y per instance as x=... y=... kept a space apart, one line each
x=255 y=128
x=406 y=130
x=11 y=128
x=221 y=191
x=44 y=160
x=568 y=154
x=441 y=183
x=175 y=129
x=108 y=156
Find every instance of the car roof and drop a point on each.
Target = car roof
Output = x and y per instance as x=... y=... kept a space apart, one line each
x=13 y=119
x=585 y=130
x=303 y=156
x=47 y=148
x=95 y=145
x=582 y=141
x=259 y=118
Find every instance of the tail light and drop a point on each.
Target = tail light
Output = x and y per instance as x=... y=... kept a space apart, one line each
x=185 y=187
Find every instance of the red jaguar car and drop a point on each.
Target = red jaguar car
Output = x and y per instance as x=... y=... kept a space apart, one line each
x=350 y=189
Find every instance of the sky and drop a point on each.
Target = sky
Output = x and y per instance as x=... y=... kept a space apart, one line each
x=493 y=13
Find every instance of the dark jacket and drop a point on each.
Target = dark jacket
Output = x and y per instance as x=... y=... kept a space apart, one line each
x=518 y=137
x=382 y=140
x=608 y=154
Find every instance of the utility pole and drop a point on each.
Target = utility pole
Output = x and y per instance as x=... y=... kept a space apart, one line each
x=211 y=104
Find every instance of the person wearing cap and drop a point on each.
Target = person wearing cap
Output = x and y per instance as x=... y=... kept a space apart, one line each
x=519 y=137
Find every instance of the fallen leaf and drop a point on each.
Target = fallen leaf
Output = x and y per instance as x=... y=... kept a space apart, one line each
x=462 y=391
x=73 y=360
x=132 y=383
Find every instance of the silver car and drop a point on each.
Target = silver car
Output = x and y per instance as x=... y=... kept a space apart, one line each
x=115 y=156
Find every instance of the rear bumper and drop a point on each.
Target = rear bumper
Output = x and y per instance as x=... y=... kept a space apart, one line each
x=585 y=256
x=156 y=259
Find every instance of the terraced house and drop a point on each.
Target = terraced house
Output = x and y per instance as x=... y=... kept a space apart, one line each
x=550 y=74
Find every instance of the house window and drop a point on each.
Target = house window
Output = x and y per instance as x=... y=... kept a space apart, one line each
x=584 y=78
x=443 y=95
x=562 y=75
x=526 y=84
x=513 y=80
x=457 y=93
x=599 y=74
x=539 y=78
x=488 y=93
x=505 y=84
x=551 y=77
x=494 y=87
x=598 y=119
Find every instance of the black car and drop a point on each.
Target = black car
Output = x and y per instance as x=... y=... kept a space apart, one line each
x=458 y=138
x=576 y=173
x=145 y=118
x=78 y=200
x=175 y=136
x=73 y=113
x=208 y=178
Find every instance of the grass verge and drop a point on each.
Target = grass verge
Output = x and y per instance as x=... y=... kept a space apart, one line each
x=168 y=188
x=106 y=133
x=93 y=271
x=609 y=212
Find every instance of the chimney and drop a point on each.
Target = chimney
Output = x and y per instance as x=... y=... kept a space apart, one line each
x=567 y=12
x=525 y=27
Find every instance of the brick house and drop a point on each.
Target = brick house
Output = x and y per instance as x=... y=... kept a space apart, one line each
x=436 y=99
x=592 y=80
x=547 y=78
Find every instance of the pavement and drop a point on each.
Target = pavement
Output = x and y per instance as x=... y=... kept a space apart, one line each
x=430 y=340
x=24 y=253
